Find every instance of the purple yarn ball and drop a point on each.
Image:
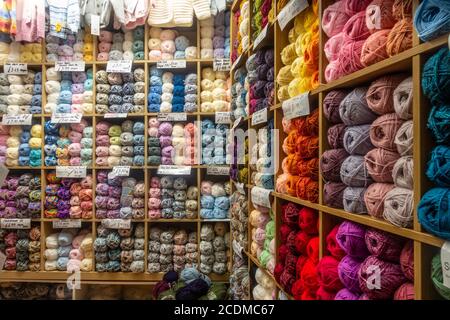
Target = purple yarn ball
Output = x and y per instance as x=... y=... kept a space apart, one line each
x=345 y=294
x=351 y=238
x=348 y=273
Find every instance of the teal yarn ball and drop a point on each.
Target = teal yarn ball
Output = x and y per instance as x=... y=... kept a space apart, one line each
x=439 y=123
x=438 y=169
x=436 y=77
x=434 y=212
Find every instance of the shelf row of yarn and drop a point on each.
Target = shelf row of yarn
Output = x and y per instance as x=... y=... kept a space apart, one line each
x=215 y=200
x=300 y=57
x=75 y=47
x=364 y=33
x=215 y=36
x=370 y=168
x=262 y=231
x=261 y=159
x=118 y=45
x=21 y=94
x=241 y=25
x=21 y=145
x=263 y=14
x=215 y=149
x=240 y=96
x=215 y=91
x=34 y=291
x=18 y=52
x=260 y=78
x=301 y=164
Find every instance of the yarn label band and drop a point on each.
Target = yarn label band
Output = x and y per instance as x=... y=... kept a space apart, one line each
x=236 y=123
x=445 y=261
x=70 y=171
x=218 y=171
x=237 y=62
x=66 y=224
x=239 y=187
x=95 y=24
x=3 y=173
x=259 y=117
x=261 y=37
x=223 y=64
x=2 y=260
x=292 y=9
x=177 y=116
x=116 y=223
x=120 y=66
x=15 y=223
x=17 y=120
x=261 y=197
x=70 y=66
x=237 y=248
x=171 y=64
x=115 y=115
x=223 y=117
x=121 y=171
x=296 y=107
x=66 y=117
x=15 y=68
x=174 y=170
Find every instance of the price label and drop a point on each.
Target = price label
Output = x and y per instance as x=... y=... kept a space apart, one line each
x=261 y=36
x=223 y=64
x=70 y=171
x=2 y=260
x=259 y=117
x=71 y=66
x=218 y=171
x=240 y=187
x=171 y=64
x=290 y=11
x=121 y=171
x=116 y=223
x=296 y=107
x=3 y=173
x=223 y=117
x=115 y=115
x=15 y=68
x=119 y=66
x=66 y=224
x=174 y=170
x=237 y=62
x=176 y=116
x=17 y=120
x=66 y=117
x=95 y=24
x=445 y=261
x=261 y=197
x=15 y=223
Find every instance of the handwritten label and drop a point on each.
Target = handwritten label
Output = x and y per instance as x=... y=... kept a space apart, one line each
x=95 y=24
x=296 y=107
x=121 y=171
x=240 y=187
x=261 y=36
x=15 y=68
x=290 y=11
x=15 y=223
x=70 y=66
x=171 y=64
x=116 y=223
x=70 y=171
x=445 y=261
x=175 y=116
x=237 y=62
x=261 y=197
x=218 y=171
x=223 y=117
x=2 y=260
x=115 y=115
x=66 y=117
x=119 y=66
x=66 y=224
x=3 y=173
x=223 y=64
x=174 y=170
x=17 y=120
x=259 y=117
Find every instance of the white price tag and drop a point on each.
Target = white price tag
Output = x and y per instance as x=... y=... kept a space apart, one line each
x=175 y=116
x=70 y=171
x=66 y=224
x=174 y=170
x=3 y=173
x=119 y=66
x=218 y=171
x=259 y=117
x=261 y=36
x=116 y=223
x=17 y=120
x=290 y=11
x=15 y=223
x=171 y=64
x=121 y=171
x=240 y=187
x=261 y=197
x=15 y=68
x=115 y=115
x=70 y=66
x=66 y=117
x=2 y=260
x=296 y=107
x=223 y=117
x=445 y=261
x=223 y=64
x=95 y=24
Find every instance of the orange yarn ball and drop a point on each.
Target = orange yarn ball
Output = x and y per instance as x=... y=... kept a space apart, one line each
x=400 y=37
x=374 y=49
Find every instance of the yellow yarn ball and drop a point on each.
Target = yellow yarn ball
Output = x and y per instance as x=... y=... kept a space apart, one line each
x=285 y=76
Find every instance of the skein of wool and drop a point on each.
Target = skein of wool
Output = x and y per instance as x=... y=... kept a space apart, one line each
x=398 y=207
x=404 y=139
x=402 y=9
x=400 y=37
x=432 y=19
x=354 y=110
x=379 y=94
x=327 y=273
x=407 y=260
x=334 y=19
x=332 y=245
x=435 y=77
x=374 y=49
x=439 y=123
x=383 y=131
x=355 y=29
x=433 y=212
x=402 y=173
x=353 y=200
x=379 y=163
x=405 y=292
x=354 y=172
x=331 y=162
x=333 y=193
x=350 y=57
x=351 y=238
x=379 y=15
x=356 y=140
x=437 y=277
x=348 y=273
x=384 y=245
x=374 y=198
x=438 y=167
x=354 y=6
x=403 y=99
x=345 y=294
x=331 y=105
x=336 y=134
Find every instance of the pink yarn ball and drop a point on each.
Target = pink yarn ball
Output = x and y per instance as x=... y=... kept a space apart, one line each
x=405 y=292
x=352 y=7
x=333 y=47
x=356 y=29
x=334 y=19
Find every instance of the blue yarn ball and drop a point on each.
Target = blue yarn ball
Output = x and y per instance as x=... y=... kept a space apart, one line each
x=181 y=43
x=88 y=83
x=36 y=100
x=220 y=213
x=434 y=212
x=24 y=149
x=38 y=77
x=50 y=161
x=206 y=213
x=66 y=75
x=178 y=107
x=63 y=108
x=37 y=89
x=138 y=150
x=155 y=81
x=218 y=160
x=438 y=169
x=156 y=89
x=66 y=85
x=65 y=97
x=24 y=161
x=154 y=98
x=61 y=263
x=222 y=203
x=155 y=72
x=207 y=202
x=432 y=19
x=436 y=77
x=178 y=100
x=153 y=107
x=138 y=127
x=179 y=55
x=138 y=160
x=90 y=73
x=178 y=80
x=138 y=33
x=207 y=124
x=178 y=90
x=25 y=136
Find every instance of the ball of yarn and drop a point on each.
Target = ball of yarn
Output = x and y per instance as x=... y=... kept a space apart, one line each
x=379 y=163
x=374 y=49
x=334 y=19
x=354 y=109
x=438 y=166
x=351 y=238
x=379 y=94
x=327 y=273
x=331 y=105
x=348 y=269
x=331 y=162
x=384 y=130
x=374 y=198
x=437 y=277
x=354 y=172
x=355 y=29
x=404 y=138
x=407 y=260
x=333 y=193
x=356 y=140
x=398 y=207
x=433 y=212
x=405 y=292
x=400 y=37
x=432 y=19
x=383 y=245
x=402 y=173
x=403 y=99
x=435 y=77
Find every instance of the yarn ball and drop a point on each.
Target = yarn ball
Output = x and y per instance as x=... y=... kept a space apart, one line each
x=351 y=238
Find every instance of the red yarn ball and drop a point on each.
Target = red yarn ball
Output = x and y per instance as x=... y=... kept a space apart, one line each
x=283 y=251
x=301 y=241
x=327 y=272
x=312 y=249
x=405 y=292
x=290 y=242
x=309 y=276
x=384 y=245
x=297 y=290
x=407 y=260
x=309 y=295
x=277 y=271
x=308 y=220
x=323 y=294
x=290 y=214
x=291 y=263
x=285 y=230
x=287 y=280
x=332 y=246
x=299 y=266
